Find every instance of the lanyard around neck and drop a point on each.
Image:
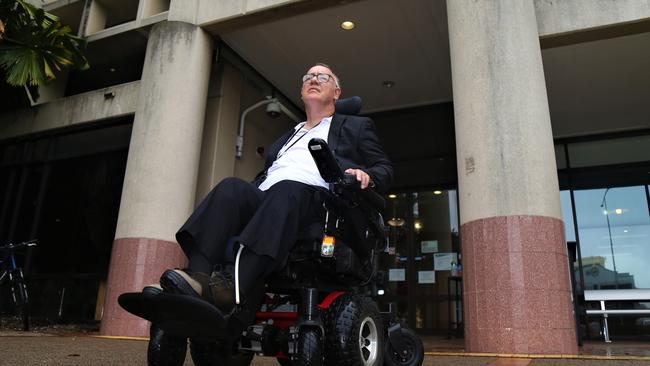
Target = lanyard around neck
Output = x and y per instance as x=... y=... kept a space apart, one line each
x=281 y=152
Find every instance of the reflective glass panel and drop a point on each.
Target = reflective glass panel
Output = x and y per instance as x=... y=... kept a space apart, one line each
x=422 y=227
x=560 y=156
x=606 y=152
x=433 y=235
x=614 y=228
x=567 y=215
x=395 y=262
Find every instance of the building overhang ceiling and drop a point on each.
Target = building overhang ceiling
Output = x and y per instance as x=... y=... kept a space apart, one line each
x=593 y=87
x=405 y=43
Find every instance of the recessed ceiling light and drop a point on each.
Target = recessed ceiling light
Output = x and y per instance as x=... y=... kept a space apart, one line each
x=112 y=69
x=437 y=192
x=625 y=231
x=392 y=196
x=618 y=211
x=347 y=25
x=387 y=83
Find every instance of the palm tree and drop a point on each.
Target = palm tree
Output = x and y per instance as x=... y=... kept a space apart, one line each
x=34 y=44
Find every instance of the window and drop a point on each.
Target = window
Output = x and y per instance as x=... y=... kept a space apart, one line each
x=608 y=152
x=567 y=215
x=614 y=228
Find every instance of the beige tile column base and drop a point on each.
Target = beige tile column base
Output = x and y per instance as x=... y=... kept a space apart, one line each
x=135 y=263
x=517 y=294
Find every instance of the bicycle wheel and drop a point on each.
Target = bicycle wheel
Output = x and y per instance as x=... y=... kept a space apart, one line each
x=21 y=301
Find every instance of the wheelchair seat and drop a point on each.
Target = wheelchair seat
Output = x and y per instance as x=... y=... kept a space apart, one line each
x=354 y=222
x=352 y=262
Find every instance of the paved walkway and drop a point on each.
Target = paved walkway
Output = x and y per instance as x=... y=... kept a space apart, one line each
x=22 y=349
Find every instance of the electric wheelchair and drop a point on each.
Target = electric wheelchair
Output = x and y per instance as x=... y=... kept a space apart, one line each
x=318 y=310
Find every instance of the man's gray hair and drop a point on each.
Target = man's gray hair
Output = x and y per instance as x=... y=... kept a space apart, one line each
x=337 y=82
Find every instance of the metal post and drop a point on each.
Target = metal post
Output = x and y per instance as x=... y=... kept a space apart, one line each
x=605 y=326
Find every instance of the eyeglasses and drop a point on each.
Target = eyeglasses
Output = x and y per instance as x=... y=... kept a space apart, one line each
x=320 y=77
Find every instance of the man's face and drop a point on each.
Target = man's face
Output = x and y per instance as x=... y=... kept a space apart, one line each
x=324 y=92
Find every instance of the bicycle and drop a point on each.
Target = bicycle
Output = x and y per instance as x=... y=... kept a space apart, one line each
x=9 y=270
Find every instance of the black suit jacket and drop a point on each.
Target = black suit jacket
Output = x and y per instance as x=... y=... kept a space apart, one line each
x=354 y=142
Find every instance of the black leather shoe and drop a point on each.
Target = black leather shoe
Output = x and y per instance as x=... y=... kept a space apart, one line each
x=152 y=290
x=177 y=281
x=217 y=289
x=222 y=291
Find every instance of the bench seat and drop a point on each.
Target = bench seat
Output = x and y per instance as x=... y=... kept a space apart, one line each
x=638 y=295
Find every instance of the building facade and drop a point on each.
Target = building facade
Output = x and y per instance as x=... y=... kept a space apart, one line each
x=514 y=127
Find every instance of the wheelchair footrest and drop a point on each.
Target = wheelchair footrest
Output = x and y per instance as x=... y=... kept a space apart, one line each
x=177 y=315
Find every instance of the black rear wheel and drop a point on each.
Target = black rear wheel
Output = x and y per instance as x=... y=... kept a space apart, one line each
x=284 y=361
x=216 y=354
x=239 y=359
x=206 y=353
x=164 y=349
x=413 y=355
x=355 y=334
x=310 y=348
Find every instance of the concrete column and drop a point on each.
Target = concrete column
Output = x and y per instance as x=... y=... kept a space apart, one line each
x=161 y=172
x=220 y=130
x=517 y=288
x=147 y=8
x=96 y=18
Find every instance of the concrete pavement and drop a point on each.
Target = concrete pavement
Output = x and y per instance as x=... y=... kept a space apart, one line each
x=22 y=349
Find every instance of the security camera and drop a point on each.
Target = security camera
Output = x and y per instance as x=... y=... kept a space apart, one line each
x=273 y=109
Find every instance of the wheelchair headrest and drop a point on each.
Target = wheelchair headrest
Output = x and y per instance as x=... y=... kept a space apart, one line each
x=350 y=106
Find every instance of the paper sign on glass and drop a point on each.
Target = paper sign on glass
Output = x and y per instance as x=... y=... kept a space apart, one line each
x=442 y=261
x=396 y=274
x=429 y=246
x=426 y=277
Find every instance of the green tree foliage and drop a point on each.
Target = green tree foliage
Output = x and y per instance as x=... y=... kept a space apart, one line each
x=34 y=44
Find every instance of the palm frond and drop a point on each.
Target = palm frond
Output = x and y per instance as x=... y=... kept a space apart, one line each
x=23 y=67
x=35 y=45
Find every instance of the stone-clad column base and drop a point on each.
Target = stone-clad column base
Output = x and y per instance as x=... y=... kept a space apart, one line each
x=135 y=263
x=516 y=286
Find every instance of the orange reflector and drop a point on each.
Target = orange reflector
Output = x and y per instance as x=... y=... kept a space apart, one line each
x=327 y=247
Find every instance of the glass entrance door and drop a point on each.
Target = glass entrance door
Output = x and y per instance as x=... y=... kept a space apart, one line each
x=423 y=242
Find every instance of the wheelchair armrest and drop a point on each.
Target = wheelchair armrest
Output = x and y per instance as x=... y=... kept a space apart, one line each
x=351 y=185
x=344 y=185
x=328 y=168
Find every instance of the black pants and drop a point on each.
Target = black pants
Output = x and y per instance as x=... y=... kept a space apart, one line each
x=267 y=222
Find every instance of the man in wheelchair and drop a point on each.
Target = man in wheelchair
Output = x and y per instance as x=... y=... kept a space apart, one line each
x=250 y=231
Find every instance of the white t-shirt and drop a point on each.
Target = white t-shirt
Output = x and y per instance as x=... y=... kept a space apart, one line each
x=294 y=162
